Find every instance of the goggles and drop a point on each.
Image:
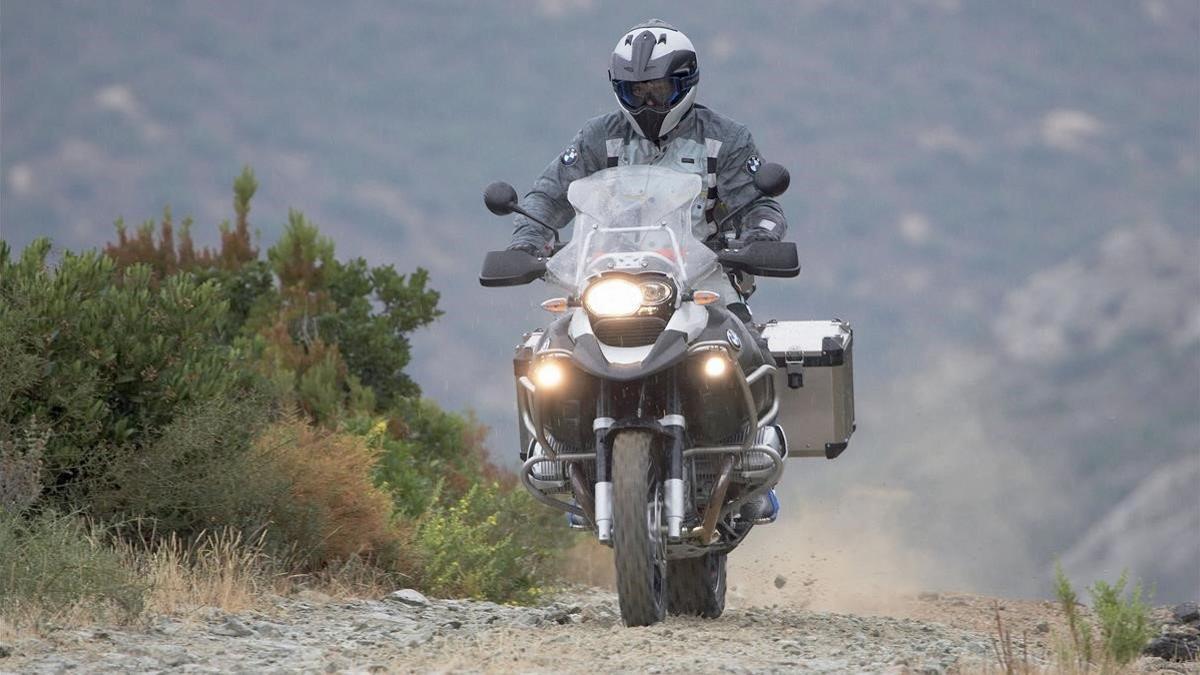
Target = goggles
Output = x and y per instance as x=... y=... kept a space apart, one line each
x=659 y=95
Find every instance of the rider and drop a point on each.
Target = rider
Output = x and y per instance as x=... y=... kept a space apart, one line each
x=653 y=72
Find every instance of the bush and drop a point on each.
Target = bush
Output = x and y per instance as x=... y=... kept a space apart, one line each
x=198 y=475
x=308 y=492
x=425 y=446
x=300 y=308
x=152 y=388
x=105 y=359
x=477 y=532
x=484 y=546
x=1123 y=619
x=332 y=510
x=61 y=564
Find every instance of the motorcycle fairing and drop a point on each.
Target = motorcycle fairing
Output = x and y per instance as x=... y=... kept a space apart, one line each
x=690 y=324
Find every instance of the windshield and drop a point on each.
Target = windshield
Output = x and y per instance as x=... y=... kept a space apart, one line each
x=632 y=219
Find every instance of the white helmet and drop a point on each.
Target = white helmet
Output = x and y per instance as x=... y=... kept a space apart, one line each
x=654 y=75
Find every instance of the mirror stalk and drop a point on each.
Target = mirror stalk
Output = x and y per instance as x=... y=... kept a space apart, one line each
x=501 y=199
x=517 y=209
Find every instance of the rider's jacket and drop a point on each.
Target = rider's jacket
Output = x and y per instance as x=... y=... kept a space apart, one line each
x=707 y=143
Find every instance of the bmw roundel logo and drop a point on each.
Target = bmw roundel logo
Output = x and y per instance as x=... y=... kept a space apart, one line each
x=733 y=338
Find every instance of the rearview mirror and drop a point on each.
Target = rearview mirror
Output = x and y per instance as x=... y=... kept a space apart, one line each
x=764 y=258
x=772 y=179
x=510 y=268
x=500 y=198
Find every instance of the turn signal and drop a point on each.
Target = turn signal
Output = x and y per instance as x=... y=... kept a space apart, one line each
x=555 y=305
x=705 y=297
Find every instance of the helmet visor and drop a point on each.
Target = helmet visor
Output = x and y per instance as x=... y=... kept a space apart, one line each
x=659 y=95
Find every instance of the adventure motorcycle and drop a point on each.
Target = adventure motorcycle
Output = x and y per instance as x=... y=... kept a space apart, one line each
x=647 y=410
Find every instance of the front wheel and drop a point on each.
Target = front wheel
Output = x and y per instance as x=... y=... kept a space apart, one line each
x=697 y=586
x=639 y=548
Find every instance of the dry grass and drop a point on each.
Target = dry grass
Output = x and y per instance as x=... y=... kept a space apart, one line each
x=1012 y=660
x=218 y=569
x=331 y=531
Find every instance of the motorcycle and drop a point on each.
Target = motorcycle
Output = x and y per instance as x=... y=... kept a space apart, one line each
x=648 y=411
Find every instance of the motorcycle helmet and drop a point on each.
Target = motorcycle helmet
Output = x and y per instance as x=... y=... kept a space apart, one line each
x=654 y=74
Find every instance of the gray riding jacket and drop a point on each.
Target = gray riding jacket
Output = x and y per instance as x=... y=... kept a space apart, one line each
x=720 y=150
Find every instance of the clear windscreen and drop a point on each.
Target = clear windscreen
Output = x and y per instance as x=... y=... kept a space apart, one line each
x=632 y=219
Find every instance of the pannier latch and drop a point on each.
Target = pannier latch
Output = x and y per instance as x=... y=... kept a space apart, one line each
x=794 y=362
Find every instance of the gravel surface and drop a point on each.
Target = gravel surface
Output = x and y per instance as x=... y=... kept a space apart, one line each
x=579 y=631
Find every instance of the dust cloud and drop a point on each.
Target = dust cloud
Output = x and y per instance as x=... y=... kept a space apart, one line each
x=844 y=556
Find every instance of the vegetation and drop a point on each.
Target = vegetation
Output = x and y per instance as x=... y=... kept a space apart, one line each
x=63 y=563
x=163 y=396
x=1123 y=620
x=477 y=546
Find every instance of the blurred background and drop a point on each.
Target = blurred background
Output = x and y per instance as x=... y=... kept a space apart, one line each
x=1003 y=198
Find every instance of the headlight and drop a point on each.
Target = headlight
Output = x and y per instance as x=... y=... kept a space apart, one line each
x=613 y=297
x=656 y=292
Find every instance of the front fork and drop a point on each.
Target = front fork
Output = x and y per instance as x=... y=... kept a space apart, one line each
x=601 y=426
x=675 y=426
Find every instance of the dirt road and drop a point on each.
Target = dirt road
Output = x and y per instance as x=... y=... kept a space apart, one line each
x=578 y=631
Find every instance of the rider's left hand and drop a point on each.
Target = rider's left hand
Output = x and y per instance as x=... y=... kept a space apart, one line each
x=753 y=234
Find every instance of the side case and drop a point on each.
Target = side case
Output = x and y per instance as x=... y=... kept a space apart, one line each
x=815 y=384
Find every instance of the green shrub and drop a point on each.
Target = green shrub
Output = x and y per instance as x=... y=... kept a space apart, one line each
x=105 y=359
x=300 y=308
x=59 y=564
x=1123 y=622
x=199 y=474
x=419 y=447
x=484 y=546
x=1123 y=619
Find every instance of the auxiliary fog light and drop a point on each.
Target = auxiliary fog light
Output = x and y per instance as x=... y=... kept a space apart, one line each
x=716 y=365
x=548 y=374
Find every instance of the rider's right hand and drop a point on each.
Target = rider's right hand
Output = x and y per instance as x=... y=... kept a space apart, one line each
x=527 y=248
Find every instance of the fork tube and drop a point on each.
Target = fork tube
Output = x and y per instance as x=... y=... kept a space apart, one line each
x=675 y=425
x=601 y=426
